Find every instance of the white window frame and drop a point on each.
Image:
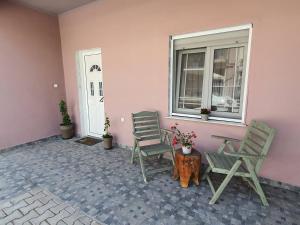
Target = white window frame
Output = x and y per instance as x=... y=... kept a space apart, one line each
x=172 y=63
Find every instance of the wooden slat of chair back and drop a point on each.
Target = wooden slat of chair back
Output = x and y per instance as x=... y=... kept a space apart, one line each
x=146 y=125
x=257 y=141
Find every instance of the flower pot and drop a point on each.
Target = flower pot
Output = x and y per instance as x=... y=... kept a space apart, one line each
x=204 y=117
x=107 y=142
x=186 y=149
x=67 y=131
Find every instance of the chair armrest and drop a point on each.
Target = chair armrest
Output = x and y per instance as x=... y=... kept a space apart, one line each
x=242 y=155
x=225 y=138
x=166 y=131
x=137 y=137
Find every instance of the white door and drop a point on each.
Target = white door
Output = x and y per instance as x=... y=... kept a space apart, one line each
x=94 y=93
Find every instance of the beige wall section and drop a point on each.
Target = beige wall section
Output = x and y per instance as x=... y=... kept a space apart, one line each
x=134 y=38
x=30 y=63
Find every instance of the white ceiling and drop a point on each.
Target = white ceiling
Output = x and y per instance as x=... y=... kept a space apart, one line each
x=53 y=6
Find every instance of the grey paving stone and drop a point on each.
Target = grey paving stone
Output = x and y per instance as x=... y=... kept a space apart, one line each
x=105 y=186
x=35 y=197
x=5 y=205
x=30 y=207
x=44 y=223
x=20 y=198
x=13 y=216
x=2 y=214
x=58 y=208
x=14 y=207
x=27 y=223
x=75 y=216
x=45 y=207
x=25 y=218
x=35 y=213
x=58 y=216
x=61 y=223
x=77 y=222
x=46 y=215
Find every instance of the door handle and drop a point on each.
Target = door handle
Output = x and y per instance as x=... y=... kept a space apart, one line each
x=102 y=99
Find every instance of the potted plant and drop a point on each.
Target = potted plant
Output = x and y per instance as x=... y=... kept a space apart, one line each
x=66 y=127
x=204 y=114
x=185 y=139
x=107 y=137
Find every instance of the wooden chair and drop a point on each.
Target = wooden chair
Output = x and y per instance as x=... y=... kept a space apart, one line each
x=245 y=163
x=146 y=128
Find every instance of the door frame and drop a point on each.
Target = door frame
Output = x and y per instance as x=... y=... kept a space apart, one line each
x=81 y=87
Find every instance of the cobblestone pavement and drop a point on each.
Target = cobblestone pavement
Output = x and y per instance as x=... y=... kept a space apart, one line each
x=39 y=206
x=105 y=186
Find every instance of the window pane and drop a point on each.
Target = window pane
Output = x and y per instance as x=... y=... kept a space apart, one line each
x=100 y=89
x=227 y=79
x=191 y=93
x=196 y=60
x=191 y=81
x=92 y=88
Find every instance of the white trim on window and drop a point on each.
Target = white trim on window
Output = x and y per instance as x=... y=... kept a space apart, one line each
x=171 y=69
x=215 y=31
x=245 y=97
x=221 y=122
x=171 y=75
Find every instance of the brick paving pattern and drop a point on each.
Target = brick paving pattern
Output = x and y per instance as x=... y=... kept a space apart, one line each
x=39 y=206
x=105 y=186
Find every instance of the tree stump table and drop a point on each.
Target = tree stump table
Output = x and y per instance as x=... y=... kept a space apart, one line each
x=187 y=167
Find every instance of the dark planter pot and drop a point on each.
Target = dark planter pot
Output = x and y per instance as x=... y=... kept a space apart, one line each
x=107 y=142
x=67 y=132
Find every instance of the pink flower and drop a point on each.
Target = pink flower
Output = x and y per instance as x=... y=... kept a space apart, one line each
x=174 y=141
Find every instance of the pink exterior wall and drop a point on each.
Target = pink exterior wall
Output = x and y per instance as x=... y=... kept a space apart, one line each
x=134 y=38
x=30 y=62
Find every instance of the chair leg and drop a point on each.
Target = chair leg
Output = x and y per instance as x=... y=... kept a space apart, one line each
x=132 y=155
x=211 y=184
x=142 y=166
x=207 y=171
x=225 y=182
x=206 y=176
x=257 y=185
x=260 y=190
x=173 y=158
x=133 y=152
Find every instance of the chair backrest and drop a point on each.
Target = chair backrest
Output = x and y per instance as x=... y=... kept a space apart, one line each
x=146 y=125
x=258 y=139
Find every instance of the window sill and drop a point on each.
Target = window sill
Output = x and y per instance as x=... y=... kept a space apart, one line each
x=210 y=121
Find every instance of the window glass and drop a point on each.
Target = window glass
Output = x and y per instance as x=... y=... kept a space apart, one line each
x=191 y=81
x=92 y=88
x=100 y=89
x=227 y=79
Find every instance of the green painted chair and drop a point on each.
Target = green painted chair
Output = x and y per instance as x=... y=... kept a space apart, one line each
x=245 y=163
x=146 y=127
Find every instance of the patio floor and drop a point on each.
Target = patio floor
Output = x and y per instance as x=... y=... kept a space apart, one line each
x=105 y=186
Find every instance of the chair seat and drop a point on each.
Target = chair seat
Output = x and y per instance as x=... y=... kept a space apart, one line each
x=221 y=163
x=155 y=149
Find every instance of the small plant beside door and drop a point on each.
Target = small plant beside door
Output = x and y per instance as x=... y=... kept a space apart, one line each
x=204 y=114
x=107 y=137
x=66 y=127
